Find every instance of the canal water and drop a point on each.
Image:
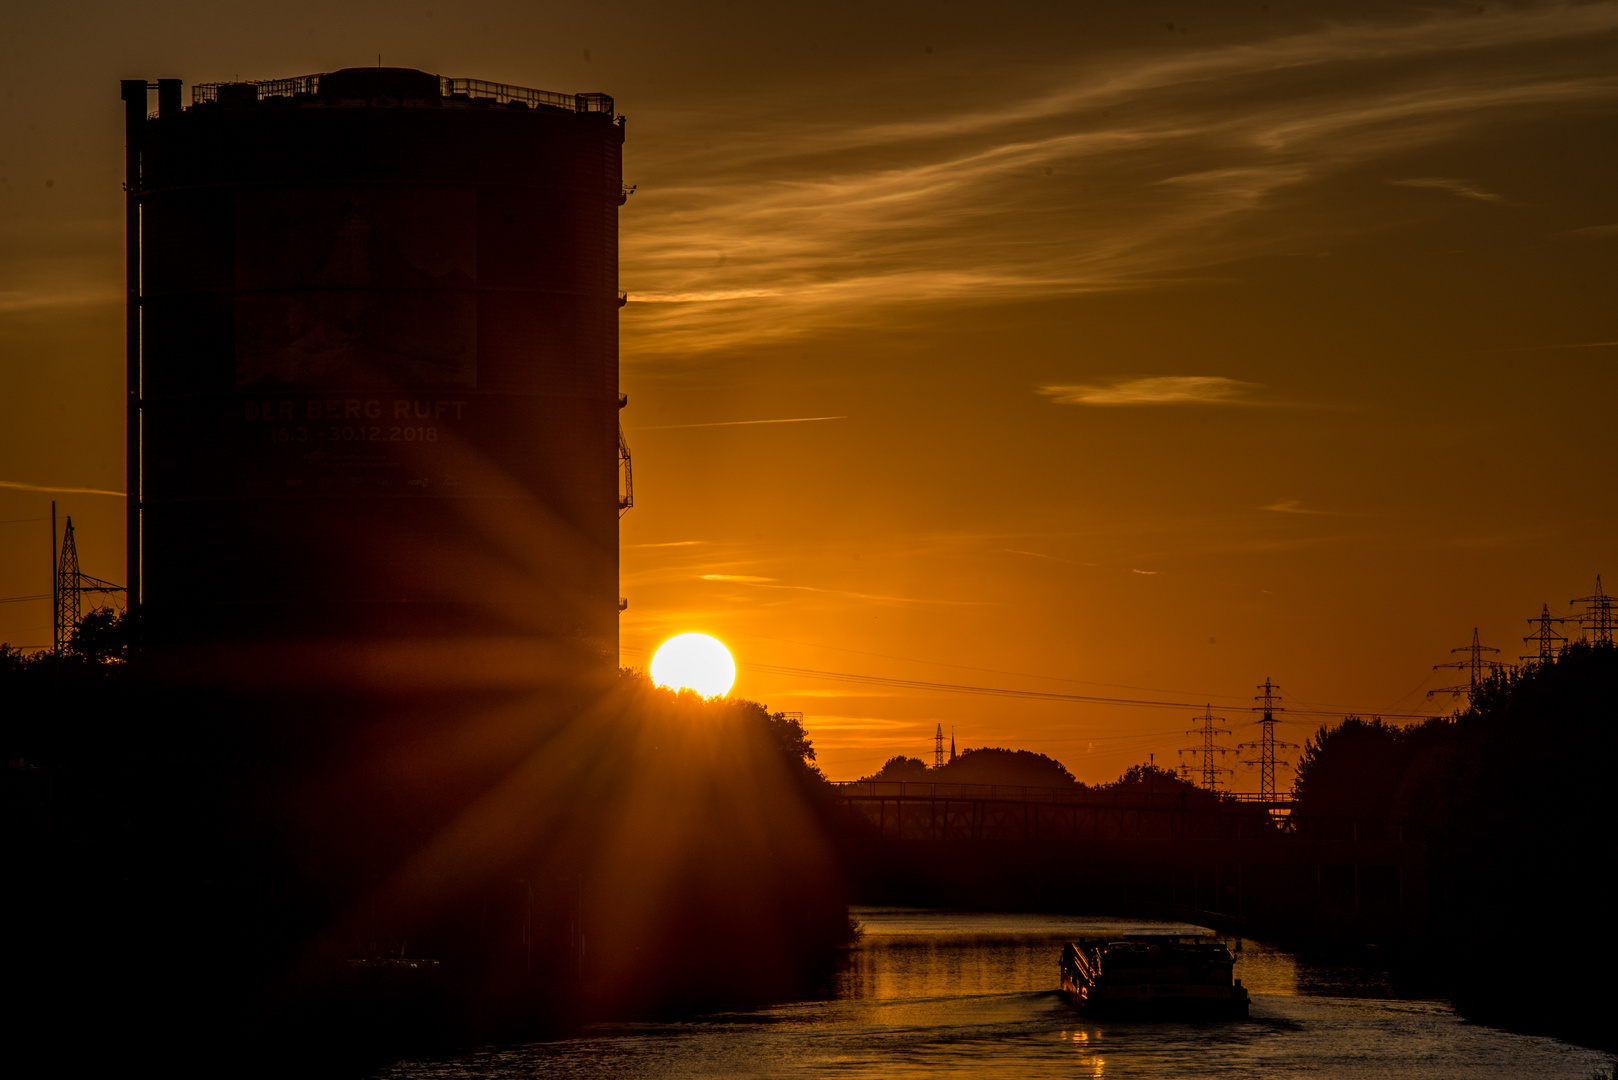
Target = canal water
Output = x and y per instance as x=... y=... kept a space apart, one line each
x=936 y=994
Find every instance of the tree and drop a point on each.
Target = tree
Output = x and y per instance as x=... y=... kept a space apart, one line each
x=1353 y=769
x=786 y=734
x=1513 y=797
x=902 y=769
x=993 y=765
x=102 y=636
x=1155 y=780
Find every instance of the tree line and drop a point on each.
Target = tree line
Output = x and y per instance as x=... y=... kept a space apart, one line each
x=1513 y=797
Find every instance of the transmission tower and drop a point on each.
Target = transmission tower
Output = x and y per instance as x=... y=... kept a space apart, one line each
x=1266 y=744
x=938 y=747
x=1597 y=620
x=1210 y=765
x=69 y=586
x=65 y=591
x=1545 y=637
x=1478 y=668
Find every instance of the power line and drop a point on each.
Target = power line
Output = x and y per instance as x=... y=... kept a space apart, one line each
x=956 y=688
x=1038 y=695
x=1035 y=695
x=990 y=671
x=1411 y=692
x=1136 y=736
x=1323 y=710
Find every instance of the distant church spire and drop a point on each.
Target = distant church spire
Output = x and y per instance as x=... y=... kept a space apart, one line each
x=952 y=744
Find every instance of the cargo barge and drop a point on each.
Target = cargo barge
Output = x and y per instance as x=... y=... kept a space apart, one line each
x=1153 y=976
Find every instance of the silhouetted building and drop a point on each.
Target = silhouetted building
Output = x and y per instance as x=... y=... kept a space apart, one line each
x=379 y=363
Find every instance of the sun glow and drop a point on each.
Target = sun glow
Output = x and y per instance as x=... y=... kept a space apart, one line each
x=694 y=662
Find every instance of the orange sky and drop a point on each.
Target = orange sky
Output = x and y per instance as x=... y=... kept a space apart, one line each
x=1171 y=346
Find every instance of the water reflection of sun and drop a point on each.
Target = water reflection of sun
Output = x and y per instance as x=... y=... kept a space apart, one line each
x=1095 y=1063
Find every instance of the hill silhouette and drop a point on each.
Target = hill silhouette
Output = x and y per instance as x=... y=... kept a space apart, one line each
x=984 y=765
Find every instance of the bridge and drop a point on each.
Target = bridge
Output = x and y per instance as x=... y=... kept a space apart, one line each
x=911 y=811
x=1230 y=861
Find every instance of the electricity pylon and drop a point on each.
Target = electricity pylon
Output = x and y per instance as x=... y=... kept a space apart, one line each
x=68 y=587
x=64 y=591
x=1597 y=620
x=1545 y=637
x=1266 y=744
x=1478 y=668
x=938 y=747
x=1210 y=766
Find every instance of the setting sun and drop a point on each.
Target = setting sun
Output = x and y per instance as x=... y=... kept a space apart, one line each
x=694 y=662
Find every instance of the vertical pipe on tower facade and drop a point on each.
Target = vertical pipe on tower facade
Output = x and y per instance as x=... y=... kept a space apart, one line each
x=168 y=98
x=56 y=607
x=134 y=95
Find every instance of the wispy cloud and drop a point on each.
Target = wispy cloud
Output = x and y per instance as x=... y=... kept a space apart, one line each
x=17 y=301
x=1121 y=172
x=878 y=596
x=667 y=544
x=856 y=723
x=1292 y=506
x=1159 y=390
x=1553 y=348
x=17 y=485
x=772 y=583
x=1463 y=188
x=739 y=423
x=799 y=691
x=702 y=297
x=1148 y=573
x=1042 y=555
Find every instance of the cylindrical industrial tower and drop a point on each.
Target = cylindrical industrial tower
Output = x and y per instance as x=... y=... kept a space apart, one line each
x=377 y=382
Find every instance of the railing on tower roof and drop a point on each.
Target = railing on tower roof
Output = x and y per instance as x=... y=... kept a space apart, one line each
x=267 y=88
x=503 y=94
x=470 y=89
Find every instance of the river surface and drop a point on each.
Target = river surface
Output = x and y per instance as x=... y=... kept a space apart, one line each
x=934 y=994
